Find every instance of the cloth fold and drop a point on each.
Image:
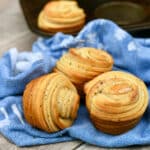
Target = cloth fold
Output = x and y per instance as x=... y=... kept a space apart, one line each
x=17 y=69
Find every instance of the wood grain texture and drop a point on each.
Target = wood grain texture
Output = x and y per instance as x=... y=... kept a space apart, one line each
x=91 y=147
x=23 y=43
x=13 y=29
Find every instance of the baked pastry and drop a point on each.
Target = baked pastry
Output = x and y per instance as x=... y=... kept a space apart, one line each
x=64 y=16
x=116 y=101
x=50 y=102
x=83 y=64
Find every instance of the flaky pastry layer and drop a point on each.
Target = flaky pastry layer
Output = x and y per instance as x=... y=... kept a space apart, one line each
x=83 y=64
x=50 y=102
x=116 y=101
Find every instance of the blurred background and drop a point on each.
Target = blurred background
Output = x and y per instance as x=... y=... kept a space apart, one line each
x=132 y=15
x=18 y=27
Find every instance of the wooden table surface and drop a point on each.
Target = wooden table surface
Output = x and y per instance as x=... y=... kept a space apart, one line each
x=15 y=33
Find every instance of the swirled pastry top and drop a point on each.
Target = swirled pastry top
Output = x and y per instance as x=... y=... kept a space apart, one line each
x=64 y=16
x=116 y=96
x=82 y=64
x=66 y=10
x=50 y=102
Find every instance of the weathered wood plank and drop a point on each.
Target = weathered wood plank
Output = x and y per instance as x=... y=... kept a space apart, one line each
x=91 y=147
x=23 y=42
x=13 y=28
x=12 y=21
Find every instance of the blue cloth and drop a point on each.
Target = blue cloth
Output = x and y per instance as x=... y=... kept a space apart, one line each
x=17 y=69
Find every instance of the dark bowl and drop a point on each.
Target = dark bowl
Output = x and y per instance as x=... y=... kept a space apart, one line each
x=132 y=15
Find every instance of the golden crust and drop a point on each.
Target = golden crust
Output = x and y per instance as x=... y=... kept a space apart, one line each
x=26 y=102
x=64 y=16
x=54 y=27
x=83 y=64
x=116 y=101
x=41 y=84
x=50 y=102
x=62 y=9
x=115 y=129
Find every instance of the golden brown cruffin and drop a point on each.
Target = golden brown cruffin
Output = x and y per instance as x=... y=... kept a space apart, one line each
x=50 y=102
x=64 y=16
x=116 y=101
x=83 y=64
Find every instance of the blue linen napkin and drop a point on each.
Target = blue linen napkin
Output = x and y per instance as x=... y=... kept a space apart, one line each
x=17 y=69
